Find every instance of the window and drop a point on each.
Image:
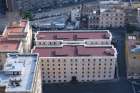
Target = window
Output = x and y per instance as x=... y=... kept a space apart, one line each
x=52 y=60
x=99 y=59
x=59 y=76
x=47 y=68
x=65 y=76
x=99 y=76
x=58 y=60
x=49 y=81
x=94 y=59
x=58 y=68
x=42 y=64
x=47 y=60
x=83 y=59
x=88 y=59
x=110 y=59
x=53 y=68
x=58 y=64
x=76 y=60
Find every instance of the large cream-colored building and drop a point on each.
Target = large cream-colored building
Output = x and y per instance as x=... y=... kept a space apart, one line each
x=21 y=74
x=77 y=55
x=133 y=55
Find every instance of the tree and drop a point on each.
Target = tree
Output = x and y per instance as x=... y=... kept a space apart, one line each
x=26 y=15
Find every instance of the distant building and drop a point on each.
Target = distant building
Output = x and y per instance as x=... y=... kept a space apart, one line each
x=106 y=14
x=77 y=55
x=133 y=56
x=21 y=74
x=111 y=18
x=75 y=14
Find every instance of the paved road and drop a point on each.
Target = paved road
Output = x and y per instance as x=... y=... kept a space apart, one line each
x=121 y=86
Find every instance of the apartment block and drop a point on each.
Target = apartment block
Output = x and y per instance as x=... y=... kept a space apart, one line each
x=82 y=55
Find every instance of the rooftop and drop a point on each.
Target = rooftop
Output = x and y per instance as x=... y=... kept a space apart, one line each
x=8 y=45
x=16 y=29
x=73 y=51
x=75 y=35
x=18 y=72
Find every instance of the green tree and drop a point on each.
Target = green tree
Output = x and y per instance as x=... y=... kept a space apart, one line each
x=26 y=15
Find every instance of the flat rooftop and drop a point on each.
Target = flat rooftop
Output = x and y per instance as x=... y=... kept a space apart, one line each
x=25 y=65
x=75 y=35
x=16 y=30
x=9 y=45
x=74 y=51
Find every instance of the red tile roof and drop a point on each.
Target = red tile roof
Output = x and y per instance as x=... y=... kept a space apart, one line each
x=9 y=45
x=72 y=35
x=74 y=51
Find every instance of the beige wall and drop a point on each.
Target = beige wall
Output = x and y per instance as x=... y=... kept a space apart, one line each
x=55 y=70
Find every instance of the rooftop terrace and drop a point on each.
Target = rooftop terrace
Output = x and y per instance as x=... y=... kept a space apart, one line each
x=16 y=29
x=8 y=45
x=18 y=72
x=74 y=51
x=75 y=35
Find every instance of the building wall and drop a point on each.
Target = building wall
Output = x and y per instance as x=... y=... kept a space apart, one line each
x=112 y=19
x=37 y=84
x=55 y=70
x=133 y=62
